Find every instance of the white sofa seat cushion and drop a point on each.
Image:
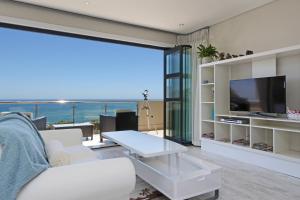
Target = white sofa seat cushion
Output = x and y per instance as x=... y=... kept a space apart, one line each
x=79 y=154
x=111 y=179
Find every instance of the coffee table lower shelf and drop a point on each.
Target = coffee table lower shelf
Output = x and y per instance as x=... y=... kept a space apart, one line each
x=179 y=176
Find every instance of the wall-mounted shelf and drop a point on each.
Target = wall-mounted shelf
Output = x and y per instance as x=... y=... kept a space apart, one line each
x=283 y=52
x=233 y=124
x=208 y=84
x=209 y=121
x=273 y=143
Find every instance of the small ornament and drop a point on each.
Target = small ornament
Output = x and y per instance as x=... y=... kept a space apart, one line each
x=228 y=56
x=221 y=56
x=249 y=52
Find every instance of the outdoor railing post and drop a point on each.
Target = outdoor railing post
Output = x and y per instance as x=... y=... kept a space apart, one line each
x=36 y=111
x=105 y=108
x=73 y=112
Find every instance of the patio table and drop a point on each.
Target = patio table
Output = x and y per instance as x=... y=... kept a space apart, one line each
x=87 y=128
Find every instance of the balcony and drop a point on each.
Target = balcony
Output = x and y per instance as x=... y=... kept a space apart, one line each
x=87 y=112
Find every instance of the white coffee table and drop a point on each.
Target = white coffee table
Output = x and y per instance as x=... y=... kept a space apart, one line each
x=164 y=165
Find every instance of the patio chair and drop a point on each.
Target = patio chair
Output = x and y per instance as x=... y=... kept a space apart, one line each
x=126 y=120
x=107 y=123
x=40 y=123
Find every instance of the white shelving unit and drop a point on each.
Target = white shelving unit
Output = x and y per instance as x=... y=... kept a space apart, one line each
x=207 y=101
x=281 y=135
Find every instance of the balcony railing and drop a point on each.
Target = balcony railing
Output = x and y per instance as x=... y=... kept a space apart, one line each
x=69 y=111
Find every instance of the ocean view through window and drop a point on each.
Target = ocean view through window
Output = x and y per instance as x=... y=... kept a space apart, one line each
x=69 y=79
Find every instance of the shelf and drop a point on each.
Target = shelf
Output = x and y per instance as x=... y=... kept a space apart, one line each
x=208 y=120
x=222 y=133
x=218 y=122
x=207 y=102
x=207 y=94
x=241 y=134
x=262 y=127
x=207 y=65
x=262 y=138
x=207 y=111
x=279 y=128
x=274 y=119
x=228 y=115
x=208 y=84
x=207 y=75
x=246 y=125
x=293 y=50
x=259 y=118
x=288 y=155
x=287 y=143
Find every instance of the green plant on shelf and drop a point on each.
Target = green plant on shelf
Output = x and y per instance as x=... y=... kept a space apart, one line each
x=208 y=51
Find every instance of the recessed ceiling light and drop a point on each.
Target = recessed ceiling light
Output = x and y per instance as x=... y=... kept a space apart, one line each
x=86 y=3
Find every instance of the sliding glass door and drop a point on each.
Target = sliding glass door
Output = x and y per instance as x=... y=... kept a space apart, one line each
x=177 y=94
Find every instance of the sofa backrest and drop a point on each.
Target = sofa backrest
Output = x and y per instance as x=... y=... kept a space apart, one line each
x=40 y=123
x=68 y=137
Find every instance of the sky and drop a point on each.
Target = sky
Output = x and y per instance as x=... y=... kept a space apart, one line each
x=43 y=66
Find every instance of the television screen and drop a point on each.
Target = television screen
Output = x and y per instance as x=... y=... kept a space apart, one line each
x=266 y=95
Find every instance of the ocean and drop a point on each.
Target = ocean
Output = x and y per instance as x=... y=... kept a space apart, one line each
x=59 y=112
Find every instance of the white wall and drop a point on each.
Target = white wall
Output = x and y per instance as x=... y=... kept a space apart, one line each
x=34 y=16
x=272 y=26
x=290 y=66
x=157 y=111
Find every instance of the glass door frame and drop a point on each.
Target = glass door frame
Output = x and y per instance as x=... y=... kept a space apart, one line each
x=180 y=98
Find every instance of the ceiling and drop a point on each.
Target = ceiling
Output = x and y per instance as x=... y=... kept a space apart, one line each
x=177 y=16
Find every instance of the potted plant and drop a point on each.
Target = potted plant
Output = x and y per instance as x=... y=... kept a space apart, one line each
x=207 y=53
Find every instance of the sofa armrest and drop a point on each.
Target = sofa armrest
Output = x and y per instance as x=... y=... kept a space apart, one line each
x=101 y=179
x=68 y=137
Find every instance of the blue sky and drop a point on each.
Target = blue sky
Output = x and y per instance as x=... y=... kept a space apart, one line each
x=42 y=66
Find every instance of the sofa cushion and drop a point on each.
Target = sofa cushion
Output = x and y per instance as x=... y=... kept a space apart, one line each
x=56 y=153
x=79 y=154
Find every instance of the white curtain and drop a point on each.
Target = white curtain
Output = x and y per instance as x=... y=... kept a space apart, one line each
x=194 y=39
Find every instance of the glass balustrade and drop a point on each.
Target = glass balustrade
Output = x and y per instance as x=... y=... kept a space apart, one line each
x=60 y=112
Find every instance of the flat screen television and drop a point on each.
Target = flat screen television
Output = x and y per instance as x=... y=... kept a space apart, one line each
x=259 y=95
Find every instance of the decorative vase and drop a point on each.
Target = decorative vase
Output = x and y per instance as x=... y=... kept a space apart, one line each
x=206 y=60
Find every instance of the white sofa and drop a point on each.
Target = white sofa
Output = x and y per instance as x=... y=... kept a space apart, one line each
x=111 y=179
